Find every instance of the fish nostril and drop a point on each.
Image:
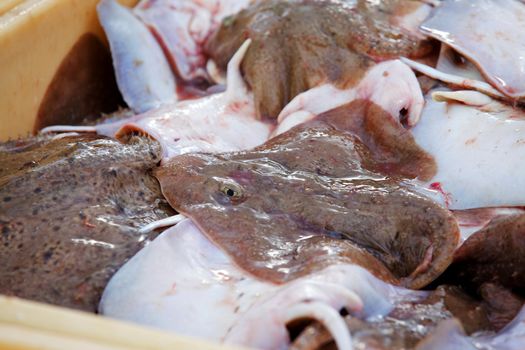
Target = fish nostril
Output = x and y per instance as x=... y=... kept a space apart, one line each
x=403 y=117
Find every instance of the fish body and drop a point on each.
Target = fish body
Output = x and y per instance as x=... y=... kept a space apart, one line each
x=326 y=191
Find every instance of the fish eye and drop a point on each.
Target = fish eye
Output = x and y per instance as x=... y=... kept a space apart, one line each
x=231 y=192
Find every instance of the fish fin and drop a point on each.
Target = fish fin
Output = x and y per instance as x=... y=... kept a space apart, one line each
x=235 y=85
x=169 y=221
x=481 y=86
x=67 y=128
x=325 y=315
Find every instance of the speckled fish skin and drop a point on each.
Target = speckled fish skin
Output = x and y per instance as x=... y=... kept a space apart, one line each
x=491 y=33
x=70 y=209
x=298 y=45
x=314 y=181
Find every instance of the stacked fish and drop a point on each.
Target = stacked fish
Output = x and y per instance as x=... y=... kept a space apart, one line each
x=328 y=160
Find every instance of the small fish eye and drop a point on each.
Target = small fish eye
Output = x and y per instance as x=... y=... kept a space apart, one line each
x=232 y=192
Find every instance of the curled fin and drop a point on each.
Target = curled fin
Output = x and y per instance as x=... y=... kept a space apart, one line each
x=341 y=296
x=480 y=101
x=215 y=73
x=235 y=85
x=292 y=120
x=453 y=79
x=325 y=315
x=169 y=221
x=67 y=128
x=468 y=97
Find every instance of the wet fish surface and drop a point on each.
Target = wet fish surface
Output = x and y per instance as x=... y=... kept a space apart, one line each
x=494 y=254
x=69 y=212
x=298 y=45
x=323 y=192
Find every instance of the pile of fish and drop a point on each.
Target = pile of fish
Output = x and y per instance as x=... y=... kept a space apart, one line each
x=341 y=172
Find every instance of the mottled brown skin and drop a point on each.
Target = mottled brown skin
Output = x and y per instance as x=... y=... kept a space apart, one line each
x=495 y=254
x=388 y=147
x=268 y=207
x=297 y=45
x=501 y=304
x=70 y=210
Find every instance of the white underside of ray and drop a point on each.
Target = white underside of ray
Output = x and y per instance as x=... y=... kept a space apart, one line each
x=181 y=282
x=451 y=62
x=490 y=33
x=478 y=144
x=143 y=73
x=221 y=122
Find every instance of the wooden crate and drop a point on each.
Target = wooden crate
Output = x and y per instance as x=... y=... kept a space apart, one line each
x=29 y=325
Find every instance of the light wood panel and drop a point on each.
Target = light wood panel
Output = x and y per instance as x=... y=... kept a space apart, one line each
x=30 y=325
